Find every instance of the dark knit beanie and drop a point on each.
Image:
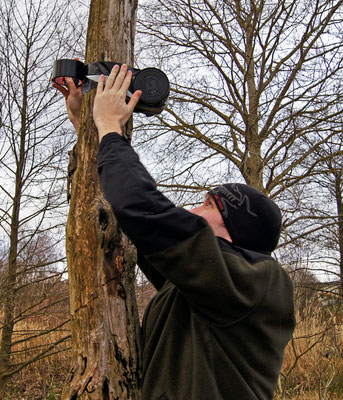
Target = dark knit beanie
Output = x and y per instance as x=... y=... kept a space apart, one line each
x=251 y=218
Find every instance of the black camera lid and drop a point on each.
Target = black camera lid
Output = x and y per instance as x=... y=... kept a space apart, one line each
x=154 y=85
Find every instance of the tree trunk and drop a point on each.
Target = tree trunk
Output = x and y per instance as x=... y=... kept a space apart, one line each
x=339 y=203
x=252 y=162
x=11 y=275
x=9 y=292
x=105 y=325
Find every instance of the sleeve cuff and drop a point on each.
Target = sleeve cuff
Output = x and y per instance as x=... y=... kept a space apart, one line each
x=111 y=137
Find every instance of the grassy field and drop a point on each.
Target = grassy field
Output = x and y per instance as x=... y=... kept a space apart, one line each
x=313 y=364
x=312 y=368
x=43 y=379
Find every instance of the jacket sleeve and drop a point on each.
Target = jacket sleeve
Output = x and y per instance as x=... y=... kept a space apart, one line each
x=150 y=220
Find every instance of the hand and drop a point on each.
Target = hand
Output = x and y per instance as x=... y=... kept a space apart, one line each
x=110 y=111
x=73 y=99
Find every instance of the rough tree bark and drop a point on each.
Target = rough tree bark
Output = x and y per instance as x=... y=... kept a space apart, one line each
x=105 y=327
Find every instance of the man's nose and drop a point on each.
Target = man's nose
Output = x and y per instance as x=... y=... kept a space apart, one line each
x=196 y=210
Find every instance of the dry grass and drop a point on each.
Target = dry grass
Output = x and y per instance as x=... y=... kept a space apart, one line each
x=312 y=369
x=313 y=364
x=43 y=379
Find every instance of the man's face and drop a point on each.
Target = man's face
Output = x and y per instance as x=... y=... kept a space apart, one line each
x=209 y=211
x=212 y=215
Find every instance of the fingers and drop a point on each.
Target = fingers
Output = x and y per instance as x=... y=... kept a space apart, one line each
x=61 y=89
x=127 y=81
x=119 y=78
x=117 y=85
x=71 y=87
x=100 y=87
x=112 y=77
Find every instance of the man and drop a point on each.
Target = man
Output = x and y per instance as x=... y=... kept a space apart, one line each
x=224 y=312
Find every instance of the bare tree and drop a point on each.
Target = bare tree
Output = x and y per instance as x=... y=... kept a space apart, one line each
x=252 y=82
x=328 y=177
x=32 y=159
x=40 y=317
x=101 y=262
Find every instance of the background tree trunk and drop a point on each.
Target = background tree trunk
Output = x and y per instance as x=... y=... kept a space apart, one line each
x=105 y=327
x=339 y=202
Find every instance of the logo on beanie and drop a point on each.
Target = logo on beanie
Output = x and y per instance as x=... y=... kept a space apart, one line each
x=232 y=198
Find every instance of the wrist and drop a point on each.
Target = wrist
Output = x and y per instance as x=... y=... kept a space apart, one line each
x=104 y=130
x=75 y=120
x=76 y=125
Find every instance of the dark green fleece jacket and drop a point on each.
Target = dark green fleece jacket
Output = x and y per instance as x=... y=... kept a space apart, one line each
x=221 y=319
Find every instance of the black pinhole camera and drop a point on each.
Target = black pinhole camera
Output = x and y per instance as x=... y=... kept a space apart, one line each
x=153 y=83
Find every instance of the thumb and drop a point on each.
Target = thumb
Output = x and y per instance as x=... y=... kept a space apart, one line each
x=134 y=99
